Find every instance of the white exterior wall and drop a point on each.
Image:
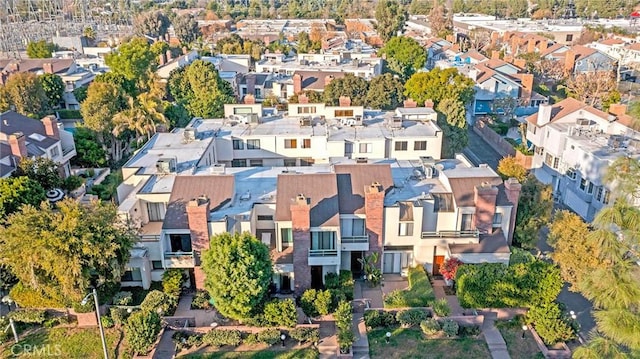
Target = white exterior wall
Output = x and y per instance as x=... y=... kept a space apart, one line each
x=434 y=147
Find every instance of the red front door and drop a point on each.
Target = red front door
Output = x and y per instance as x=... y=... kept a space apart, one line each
x=438 y=261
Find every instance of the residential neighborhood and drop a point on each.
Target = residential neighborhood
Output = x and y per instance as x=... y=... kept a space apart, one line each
x=319 y=179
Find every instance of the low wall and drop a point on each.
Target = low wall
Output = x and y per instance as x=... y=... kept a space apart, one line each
x=500 y=145
x=244 y=328
x=564 y=353
x=180 y=322
x=506 y=313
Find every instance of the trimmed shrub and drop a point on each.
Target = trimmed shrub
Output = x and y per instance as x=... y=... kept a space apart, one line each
x=156 y=300
x=280 y=313
x=4 y=334
x=548 y=322
x=123 y=298
x=107 y=322
x=186 y=340
x=430 y=327
x=470 y=330
x=172 y=282
x=119 y=315
x=26 y=297
x=269 y=336
x=419 y=294
x=201 y=300
x=411 y=317
x=218 y=338
x=340 y=285
x=316 y=302
x=450 y=328
x=303 y=335
x=345 y=340
x=376 y=319
x=29 y=316
x=344 y=316
x=251 y=338
x=72 y=182
x=441 y=308
x=141 y=331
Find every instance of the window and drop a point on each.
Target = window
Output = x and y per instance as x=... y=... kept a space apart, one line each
x=287 y=237
x=348 y=148
x=586 y=186
x=265 y=217
x=352 y=227
x=556 y=162
x=306 y=143
x=55 y=152
x=180 y=242
x=306 y=109
x=253 y=144
x=323 y=240
x=306 y=162
x=466 y=222
x=443 y=202
x=571 y=174
x=242 y=110
x=569 y=38
x=131 y=275
x=420 y=145
x=238 y=145
x=255 y=163
x=539 y=150
x=343 y=113
x=156 y=211
x=405 y=229
x=401 y=146
x=532 y=128
x=497 y=219
x=239 y=163
x=156 y=265
x=290 y=143
x=365 y=148
x=552 y=161
x=289 y=162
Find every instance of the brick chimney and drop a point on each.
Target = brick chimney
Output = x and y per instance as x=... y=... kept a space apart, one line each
x=251 y=83
x=249 y=99
x=301 y=224
x=162 y=59
x=344 y=101
x=18 y=144
x=185 y=50
x=47 y=67
x=569 y=61
x=508 y=58
x=618 y=109
x=374 y=210
x=409 y=103
x=521 y=63
x=266 y=40
x=297 y=83
x=198 y=218
x=302 y=98
x=527 y=86
x=168 y=55
x=512 y=189
x=495 y=36
x=14 y=67
x=327 y=80
x=428 y=103
x=51 y=127
x=543 y=45
x=531 y=45
x=495 y=54
x=484 y=197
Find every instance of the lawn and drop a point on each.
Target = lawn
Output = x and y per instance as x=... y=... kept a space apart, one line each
x=419 y=294
x=410 y=343
x=304 y=353
x=68 y=343
x=519 y=348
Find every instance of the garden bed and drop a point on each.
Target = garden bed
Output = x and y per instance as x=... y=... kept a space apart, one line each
x=270 y=353
x=419 y=294
x=517 y=346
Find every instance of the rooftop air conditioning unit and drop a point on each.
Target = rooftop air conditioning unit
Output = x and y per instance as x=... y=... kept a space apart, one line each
x=253 y=119
x=166 y=165
x=305 y=121
x=362 y=160
x=396 y=122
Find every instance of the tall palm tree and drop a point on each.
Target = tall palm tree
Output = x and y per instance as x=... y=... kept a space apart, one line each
x=143 y=114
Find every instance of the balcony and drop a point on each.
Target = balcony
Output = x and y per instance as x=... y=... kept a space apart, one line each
x=355 y=243
x=179 y=260
x=319 y=257
x=451 y=237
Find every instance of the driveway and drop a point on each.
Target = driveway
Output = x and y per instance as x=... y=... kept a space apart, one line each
x=479 y=151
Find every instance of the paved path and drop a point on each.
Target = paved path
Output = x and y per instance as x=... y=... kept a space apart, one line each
x=479 y=151
x=452 y=300
x=328 y=344
x=497 y=345
x=166 y=349
x=361 y=342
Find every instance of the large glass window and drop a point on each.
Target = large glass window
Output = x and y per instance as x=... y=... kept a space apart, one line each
x=290 y=143
x=238 y=145
x=405 y=229
x=323 y=240
x=287 y=237
x=253 y=144
x=343 y=113
x=401 y=146
x=466 y=222
x=306 y=109
x=352 y=227
x=239 y=163
x=156 y=211
x=420 y=145
x=306 y=143
x=365 y=148
x=131 y=275
x=180 y=242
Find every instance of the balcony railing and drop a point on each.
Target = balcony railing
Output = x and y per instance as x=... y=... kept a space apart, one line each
x=67 y=150
x=323 y=253
x=451 y=234
x=179 y=259
x=355 y=239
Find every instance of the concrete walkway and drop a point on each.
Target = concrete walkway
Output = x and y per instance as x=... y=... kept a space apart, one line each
x=328 y=344
x=203 y=318
x=166 y=349
x=452 y=300
x=495 y=341
x=361 y=342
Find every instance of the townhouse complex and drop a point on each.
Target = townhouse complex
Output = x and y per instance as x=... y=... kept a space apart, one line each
x=321 y=187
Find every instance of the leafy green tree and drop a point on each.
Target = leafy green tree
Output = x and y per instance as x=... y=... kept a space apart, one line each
x=134 y=60
x=142 y=330
x=176 y=114
x=439 y=84
x=622 y=177
x=153 y=24
x=186 y=29
x=24 y=92
x=89 y=33
x=199 y=88
x=440 y=24
x=42 y=170
x=40 y=49
x=305 y=44
x=18 y=191
x=404 y=56
x=60 y=252
x=389 y=19
x=509 y=167
x=452 y=121
x=7 y=279
x=534 y=211
x=234 y=256
x=634 y=112
x=159 y=47
x=312 y=96
x=88 y=149
x=352 y=86
x=385 y=92
x=119 y=81
x=53 y=88
x=142 y=115
x=80 y=93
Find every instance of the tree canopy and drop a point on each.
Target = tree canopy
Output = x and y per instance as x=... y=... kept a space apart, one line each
x=89 y=152
x=509 y=167
x=534 y=211
x=385 y=92
x=25 y=93
x=40 y=49
x=404 y=56
x=439 y=84
x=53 y=88
x=58 y=253
x=389 y=19
x=42 y=170
x=186 y=29
x=352 y=86
x=103 y=102
x=153 y=24
x=199 y=88
x=452 y=120
x=238 y=272
x=133 y=60
x=18 y=191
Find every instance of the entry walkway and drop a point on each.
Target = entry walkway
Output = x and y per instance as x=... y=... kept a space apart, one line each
x=362 y=298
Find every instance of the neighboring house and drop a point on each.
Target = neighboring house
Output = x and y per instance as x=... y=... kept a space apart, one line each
x=166 y=63
x=438 y=50
x=580 y=59
x=554 y=52
x=574 y=145
x=23 y=137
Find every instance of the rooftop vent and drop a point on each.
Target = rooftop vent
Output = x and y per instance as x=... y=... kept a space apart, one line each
x=362 y=160
x=190 y=134
x=217 y=168
x=166 y=165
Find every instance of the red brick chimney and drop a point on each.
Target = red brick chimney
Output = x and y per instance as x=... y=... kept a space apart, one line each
x=344 y=101
x=374 y=210
x=409 y=103
x=531 y=45
x=495 y=55
x=428 y=103
x=301 y=224
x=521 y=63
x=14 y=67
x=51 y=127
x=569 y=61
x=168 y=55
x=512 y=189
x=302 y=98
x=327 y=80
x=162 y=59
x=18 y=144
x=185 y=50
x=484 y=197
x=617 y=109
x=198 y=217
x=47 y=67
x=543 y=45
x=297 y=83
x=266 y=40
x=527 y=86
x=249 y=99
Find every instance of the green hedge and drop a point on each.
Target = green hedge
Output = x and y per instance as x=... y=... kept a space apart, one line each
x=69 y=114
x=30 y=316
x=494 y=285
x=419 y=294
